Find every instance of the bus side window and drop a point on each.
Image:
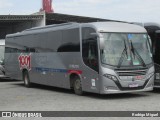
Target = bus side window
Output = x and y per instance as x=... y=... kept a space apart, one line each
x=90 y=49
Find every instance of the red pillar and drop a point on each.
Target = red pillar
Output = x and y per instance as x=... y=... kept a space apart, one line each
x=47 y=6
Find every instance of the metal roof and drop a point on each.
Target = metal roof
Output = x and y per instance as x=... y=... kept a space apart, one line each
x=8 y=23
x=51 y=18
x=6 y=18
x=72 y=18
x=12 y=21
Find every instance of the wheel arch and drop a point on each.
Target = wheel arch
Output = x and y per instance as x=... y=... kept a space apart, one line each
x=23 y=71
x=72 y=78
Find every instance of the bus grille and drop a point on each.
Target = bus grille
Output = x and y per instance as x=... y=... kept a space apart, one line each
x=134 y=72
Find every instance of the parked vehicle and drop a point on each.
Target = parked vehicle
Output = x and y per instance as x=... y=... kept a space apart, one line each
x=100 y=57
x=153 y=30
x=2 y=48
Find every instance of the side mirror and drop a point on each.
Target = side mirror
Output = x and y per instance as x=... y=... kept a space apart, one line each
x=94 y=34
x=101 y=41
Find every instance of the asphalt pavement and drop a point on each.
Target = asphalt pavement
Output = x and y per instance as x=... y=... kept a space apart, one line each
x=14 y=96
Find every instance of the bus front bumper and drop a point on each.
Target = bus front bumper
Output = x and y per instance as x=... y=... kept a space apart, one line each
x=115 y=89
x=127 y=91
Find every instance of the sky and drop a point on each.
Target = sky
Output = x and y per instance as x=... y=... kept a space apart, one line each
x=123 y=10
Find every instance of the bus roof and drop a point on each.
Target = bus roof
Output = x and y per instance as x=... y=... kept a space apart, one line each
x=158 y=31
x=152 y=24
x=100 y=26
x=118 y=27
x=45 y=29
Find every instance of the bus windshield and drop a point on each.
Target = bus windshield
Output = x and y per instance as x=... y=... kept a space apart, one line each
x=123 y=49
x=2 y=54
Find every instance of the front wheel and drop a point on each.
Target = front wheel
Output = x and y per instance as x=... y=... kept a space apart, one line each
x=78 y=86
x=26 y=79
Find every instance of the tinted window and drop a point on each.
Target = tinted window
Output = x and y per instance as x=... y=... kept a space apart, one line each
x=53 y=41
x=42 y=42
x=14 y=45
x=71 y=41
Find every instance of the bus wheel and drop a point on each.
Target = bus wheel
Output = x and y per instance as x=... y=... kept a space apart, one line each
x=77 y=86
x=26 y=79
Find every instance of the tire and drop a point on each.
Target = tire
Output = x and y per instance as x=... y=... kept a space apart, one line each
x=26 y=79
x=77 y=86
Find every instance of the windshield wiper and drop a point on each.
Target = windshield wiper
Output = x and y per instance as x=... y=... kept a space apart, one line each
x=134 y=51
x=122 y=55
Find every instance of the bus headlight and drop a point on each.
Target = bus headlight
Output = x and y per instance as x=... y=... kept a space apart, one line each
x=112 y=77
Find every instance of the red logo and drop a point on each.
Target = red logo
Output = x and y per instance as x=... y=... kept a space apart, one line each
x=25 y=61
x=139 y=77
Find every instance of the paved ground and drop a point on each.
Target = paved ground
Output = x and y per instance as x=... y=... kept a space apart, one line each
x=15 y=97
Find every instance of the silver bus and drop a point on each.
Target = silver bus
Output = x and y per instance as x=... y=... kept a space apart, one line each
x=100 y=57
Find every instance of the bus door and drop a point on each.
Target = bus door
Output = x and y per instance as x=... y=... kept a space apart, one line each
x=90 y=59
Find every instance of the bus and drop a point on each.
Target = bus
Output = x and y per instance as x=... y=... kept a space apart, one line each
x=2 y=48
x=98 y=57
x=153 y=30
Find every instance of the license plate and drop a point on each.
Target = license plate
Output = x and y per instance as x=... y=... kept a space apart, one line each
x=133 y=85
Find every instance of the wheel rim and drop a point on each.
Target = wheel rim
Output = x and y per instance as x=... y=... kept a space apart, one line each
x=77 y=84
x=26 y=80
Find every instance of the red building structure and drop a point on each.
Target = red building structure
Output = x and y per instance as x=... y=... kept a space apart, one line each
x=47 y=6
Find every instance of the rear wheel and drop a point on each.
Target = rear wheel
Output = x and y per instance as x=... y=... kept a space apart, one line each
x=26 y=79
x=77 y=86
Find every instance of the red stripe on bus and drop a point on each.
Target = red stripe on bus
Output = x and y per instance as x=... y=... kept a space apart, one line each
x=75 y=71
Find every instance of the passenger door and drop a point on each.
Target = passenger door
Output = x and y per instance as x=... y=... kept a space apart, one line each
x=90 y=59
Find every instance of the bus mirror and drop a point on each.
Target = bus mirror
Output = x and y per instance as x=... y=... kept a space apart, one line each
x=101 y=42
x=101 y=39
x=94 y=34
